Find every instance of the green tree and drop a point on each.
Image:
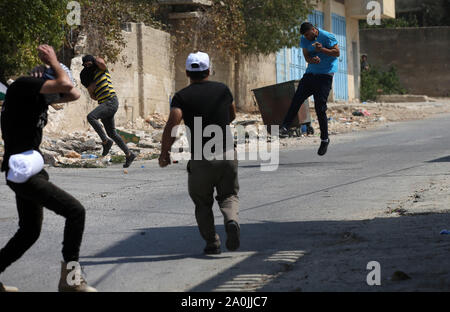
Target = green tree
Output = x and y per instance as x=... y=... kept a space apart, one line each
x=424 y=13
x=246 y=26
x=23 y=26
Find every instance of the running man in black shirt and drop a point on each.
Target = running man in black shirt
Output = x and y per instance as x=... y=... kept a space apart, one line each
x=211 y=104
x=23 y=117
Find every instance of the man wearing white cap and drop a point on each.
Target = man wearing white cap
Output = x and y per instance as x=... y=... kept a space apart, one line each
x=211 y=103
x=23 y=117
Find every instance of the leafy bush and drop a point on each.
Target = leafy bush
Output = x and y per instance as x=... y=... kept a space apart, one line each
x=375 y=82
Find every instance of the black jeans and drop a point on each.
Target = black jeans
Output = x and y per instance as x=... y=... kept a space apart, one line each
x=106 y=112
x=31 y=197
x=318 y=85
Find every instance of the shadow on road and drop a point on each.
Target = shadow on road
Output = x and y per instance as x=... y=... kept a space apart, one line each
x=307 y=256
x=440 y=160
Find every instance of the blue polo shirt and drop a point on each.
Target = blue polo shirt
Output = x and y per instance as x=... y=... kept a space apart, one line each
x=328 y=64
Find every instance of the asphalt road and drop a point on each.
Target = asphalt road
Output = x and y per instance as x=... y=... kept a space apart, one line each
x=141 y=233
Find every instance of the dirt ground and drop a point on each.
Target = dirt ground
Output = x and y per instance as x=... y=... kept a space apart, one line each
x=342 y=120
x=405 y=240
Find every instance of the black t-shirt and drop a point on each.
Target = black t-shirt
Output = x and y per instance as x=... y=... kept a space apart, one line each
x=211 y=101
x=24 y=115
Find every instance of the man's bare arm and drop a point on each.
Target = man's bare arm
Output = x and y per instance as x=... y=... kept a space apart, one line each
x=62 y=83
x=73 y=95
x=232 y=112
x=334 y=51
x=175 y=117
x=309 y=59
x=100 y=63
x=91 y=90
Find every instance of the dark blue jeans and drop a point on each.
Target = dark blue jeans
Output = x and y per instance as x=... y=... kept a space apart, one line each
x=319 y=86
x=105 y=112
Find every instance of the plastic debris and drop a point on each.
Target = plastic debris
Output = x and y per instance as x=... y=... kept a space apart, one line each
x=89 y=156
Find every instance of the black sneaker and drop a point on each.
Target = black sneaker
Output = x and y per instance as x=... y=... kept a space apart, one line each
x=284 y=133
x=107 y=147
x=129 y=160
x=233 y=233
x=212 y=248
x=323 y=147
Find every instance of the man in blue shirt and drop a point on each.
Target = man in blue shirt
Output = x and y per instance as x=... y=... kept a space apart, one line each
x=321 y=51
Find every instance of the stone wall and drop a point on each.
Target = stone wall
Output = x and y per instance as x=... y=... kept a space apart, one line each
x=420 y=55
x=144 y=82
x=254 y=72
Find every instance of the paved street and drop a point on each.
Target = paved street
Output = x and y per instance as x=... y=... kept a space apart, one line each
x=313 y=224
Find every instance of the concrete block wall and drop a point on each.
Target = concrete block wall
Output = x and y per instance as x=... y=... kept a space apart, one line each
x=420 y=55
x=144 y=82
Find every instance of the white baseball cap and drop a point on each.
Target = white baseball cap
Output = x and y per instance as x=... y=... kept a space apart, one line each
x=197 y=62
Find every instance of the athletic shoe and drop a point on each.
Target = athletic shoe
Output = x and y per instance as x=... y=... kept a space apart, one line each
x=107 y=147
x=213 y=248
x=323 y=147
x=129 y=160
x=284 y=133
x=233 y=233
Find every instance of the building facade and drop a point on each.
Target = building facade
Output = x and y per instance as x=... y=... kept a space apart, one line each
x=154 y=69
x=342 y=19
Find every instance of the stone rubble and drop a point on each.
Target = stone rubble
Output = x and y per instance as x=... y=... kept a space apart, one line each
x=83 y=148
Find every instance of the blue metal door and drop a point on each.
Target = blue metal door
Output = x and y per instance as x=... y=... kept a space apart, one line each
x=282 y=65
x=340 y=85
x=291 y=64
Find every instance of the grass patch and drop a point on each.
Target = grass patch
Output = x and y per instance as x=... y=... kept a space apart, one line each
x=118 y=159
x=82 y=165
x=376 y=82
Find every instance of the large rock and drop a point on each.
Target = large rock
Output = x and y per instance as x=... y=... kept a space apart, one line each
x=157 y=121
x=88 y=145
x=50 y=157
x=72 y=154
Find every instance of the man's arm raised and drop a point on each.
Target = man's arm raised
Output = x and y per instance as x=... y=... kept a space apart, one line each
x=100 y=63
x=62 y=83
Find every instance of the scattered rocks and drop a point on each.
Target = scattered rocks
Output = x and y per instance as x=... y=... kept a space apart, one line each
x=50 y=157
x=146 y=144
x=72 y=154
x=157 y=121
